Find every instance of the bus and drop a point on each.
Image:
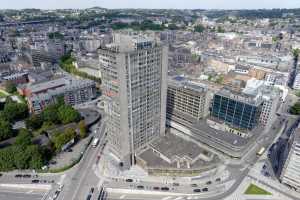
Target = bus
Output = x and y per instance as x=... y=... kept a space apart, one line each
x=261 y=151
x=95 y=142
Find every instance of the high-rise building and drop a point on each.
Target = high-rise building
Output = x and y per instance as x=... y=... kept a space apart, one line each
x=271 y=101
x=290 y=174
x=296 y=84
x=237 y=109
x=134 y=72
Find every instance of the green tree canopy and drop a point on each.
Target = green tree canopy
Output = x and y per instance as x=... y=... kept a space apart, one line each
x=24 y=138
x=50 y=114
x=68 y=114
x=60 y=139
x=34 y=122
x=10 y=87
x=199 y=28
x=5 y=130
x=14 y=111
x=295 y=109
x=82 y=129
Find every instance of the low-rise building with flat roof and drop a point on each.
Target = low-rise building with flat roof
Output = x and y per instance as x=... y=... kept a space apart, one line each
x=175 y=155
x=74 y=91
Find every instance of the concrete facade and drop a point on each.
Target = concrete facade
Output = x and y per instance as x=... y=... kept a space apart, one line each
x=134 y=72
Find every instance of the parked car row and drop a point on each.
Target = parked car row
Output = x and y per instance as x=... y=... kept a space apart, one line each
x=141 y=187
x=25 y=176
x=42 y=181
x=199 y=190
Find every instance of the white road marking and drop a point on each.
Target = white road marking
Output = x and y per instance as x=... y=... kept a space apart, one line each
x=61 y=180
x=20 y=192
x=166 y=198
x=179 y=198
x=123 y=196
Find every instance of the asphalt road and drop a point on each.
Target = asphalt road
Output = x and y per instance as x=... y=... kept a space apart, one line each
x=238 y=171
x=82 y=177
x=17 y=194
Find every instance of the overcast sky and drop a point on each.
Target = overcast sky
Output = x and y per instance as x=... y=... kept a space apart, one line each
x=205 y=4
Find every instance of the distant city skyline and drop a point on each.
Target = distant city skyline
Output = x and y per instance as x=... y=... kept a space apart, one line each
x=177 y=4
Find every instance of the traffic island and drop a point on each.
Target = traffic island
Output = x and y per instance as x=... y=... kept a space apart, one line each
x=255 y=190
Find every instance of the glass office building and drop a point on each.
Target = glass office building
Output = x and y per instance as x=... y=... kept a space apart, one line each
x=236 y=109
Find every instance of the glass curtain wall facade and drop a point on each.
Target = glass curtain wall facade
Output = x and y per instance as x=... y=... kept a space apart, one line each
x=235 y=113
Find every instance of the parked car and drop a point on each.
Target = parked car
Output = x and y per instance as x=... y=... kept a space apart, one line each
x=218 y=179
x=26 y=176
x=194 y=185
x=140 y=187
x=208 y=182
x=197 y=190
x=175 y=184
x=18 y=175
x=35 y=181
x=129 y=180
x=205 y=190
x=165 y=189
x=155 y=188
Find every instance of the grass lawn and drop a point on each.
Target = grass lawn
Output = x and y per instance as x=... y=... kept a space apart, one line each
x=253 y=189
x=2 y=94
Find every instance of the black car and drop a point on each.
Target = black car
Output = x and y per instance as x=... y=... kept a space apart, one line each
x=1 y=174
x=218 y=179
x=35 y=181
x=18 y=175
x=165 y=189
x=205 y=190
x=140 y=187
x=197 y=190
x=129 y=180
x=92 y=190
x=155 y=188
x=26 y=176
x=208 y=182
x=264 y=167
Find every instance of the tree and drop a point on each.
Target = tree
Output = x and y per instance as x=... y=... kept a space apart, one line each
x=220 y=30
x=21 y=158
x=24 y=138
x=50 y=114
x=296 y=53
x=5 y=130
x=15 y=111
x=37 y=160
x=67 y=114
x=7 y=159
x=60 y=139
x=82 y=129
x=199 y=28
x=10 y=87
x=295 y=109
x=55 y=35
x=34 y=122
